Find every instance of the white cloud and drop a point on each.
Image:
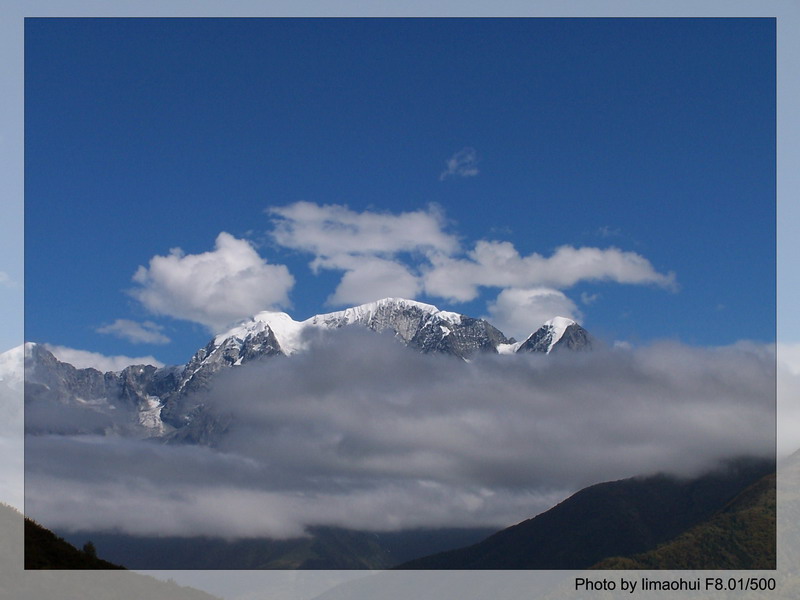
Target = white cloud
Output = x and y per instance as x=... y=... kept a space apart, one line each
x=332 y=231
x=499 y=264
x=83 y=359
x=370 y=278
x=384 y=255
x=213 y=288
x=137 y=333
x=606 y=231
x=519 y=312
x=6 y=281
x=365 y=245
x=588 y=299
x=463 y=163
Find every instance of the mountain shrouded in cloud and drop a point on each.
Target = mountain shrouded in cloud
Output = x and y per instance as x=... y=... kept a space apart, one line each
x=518 y=170
x=330 y=436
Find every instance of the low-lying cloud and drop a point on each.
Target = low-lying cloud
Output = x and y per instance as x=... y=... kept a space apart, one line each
x=361 y=432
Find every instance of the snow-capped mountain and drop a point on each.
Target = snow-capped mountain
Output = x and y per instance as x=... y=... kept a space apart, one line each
x=415 y=324
x=149 y=401
x=557 y=334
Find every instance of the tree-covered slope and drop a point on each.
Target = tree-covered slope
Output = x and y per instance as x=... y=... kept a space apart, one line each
x=618 y=518
x=740 y=536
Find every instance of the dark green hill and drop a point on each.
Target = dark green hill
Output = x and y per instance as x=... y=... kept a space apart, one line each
x=619 y=518
x=740 y=536
x=45 y=550
x=80 y=584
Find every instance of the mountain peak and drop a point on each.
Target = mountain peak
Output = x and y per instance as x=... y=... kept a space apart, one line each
x=286 y=330
x=403 y=317
x=400 y=315
x=357 y=313
x=559 y=322
x=558 y=332
x=558 y=325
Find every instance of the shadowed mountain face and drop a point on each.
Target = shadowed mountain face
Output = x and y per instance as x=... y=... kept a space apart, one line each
x=609 y=519
x=556 y=335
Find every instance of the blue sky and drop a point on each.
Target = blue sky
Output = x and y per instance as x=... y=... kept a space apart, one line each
x=619 y=170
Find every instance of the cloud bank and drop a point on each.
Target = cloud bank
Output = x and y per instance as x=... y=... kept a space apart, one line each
x=361 y=432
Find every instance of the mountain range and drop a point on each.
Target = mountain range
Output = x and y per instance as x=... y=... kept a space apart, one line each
x=145 y=401
x=623 y=522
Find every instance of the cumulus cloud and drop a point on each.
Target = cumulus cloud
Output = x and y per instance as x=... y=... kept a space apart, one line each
x=361 y=432
x=370 y=278
x=519 y=312
x=499 y=264
x=137 y=333
x=365 y=245
x=406 y=254
x=335 y=231
x=463 y=163
x=213 y=288
x=83 y=359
